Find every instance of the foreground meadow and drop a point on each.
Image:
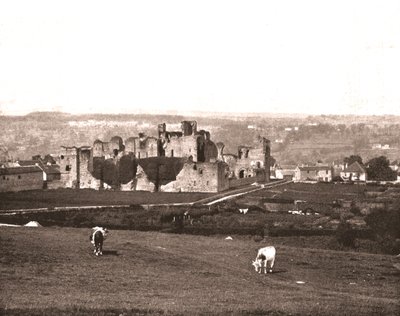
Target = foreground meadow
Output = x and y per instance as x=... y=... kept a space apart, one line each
x=48 y=271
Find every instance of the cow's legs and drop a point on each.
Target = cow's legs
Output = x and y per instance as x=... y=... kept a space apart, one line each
x=97 y=249
x=272 y=265
x=265 y=266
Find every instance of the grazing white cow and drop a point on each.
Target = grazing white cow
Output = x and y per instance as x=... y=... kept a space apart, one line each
x=266 y=254
x=97 y=238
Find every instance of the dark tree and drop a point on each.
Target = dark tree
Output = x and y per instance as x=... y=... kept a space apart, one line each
x=127 y=168
x=378 y=169
x=110 y=173
x=352 y=159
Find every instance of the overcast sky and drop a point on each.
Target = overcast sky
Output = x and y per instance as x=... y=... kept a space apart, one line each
x=314 y=57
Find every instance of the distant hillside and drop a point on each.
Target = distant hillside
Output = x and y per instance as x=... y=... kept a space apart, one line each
x=294 y=139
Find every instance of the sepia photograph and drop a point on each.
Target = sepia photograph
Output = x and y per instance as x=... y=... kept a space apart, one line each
x=183 y=157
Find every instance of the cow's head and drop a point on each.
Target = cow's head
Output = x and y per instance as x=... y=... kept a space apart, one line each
x=257 y=264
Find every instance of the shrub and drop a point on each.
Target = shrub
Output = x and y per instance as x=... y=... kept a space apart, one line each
x=335 y=215
x=385 y=225
x=389 y=245
x=346 y=215
x=345 y=235
x=355 y=209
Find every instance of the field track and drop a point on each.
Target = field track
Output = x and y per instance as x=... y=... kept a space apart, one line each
x=47 y=271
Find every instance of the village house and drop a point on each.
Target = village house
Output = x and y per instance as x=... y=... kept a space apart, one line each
x=354 y=172
x=321 y=173
x=280 y=172
x=394 y=165
x=51 y=171
x=337 y=167
x=14 y=179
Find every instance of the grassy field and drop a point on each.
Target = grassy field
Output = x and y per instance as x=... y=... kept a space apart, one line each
x=52 y=271
x=70 y=197
x=319 y=192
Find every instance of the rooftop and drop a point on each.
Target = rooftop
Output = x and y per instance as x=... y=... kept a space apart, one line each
x=20 y=170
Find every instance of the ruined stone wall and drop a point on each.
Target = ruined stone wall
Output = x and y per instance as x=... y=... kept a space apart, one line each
x=98 y=149
x=130 y=146
x=252 y=162
x=210 y=151
x=199 y=177
x=183 y=147
x=230 y=160
x=142 y=147
x=117 y=143
x=147 y=147
x=142 y=182
x=104 y=149
x=188 y=127
x=223 y=176
x=195 y=146
x=86 y=179
x=69 y=167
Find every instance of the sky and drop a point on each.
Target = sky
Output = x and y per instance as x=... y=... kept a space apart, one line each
x=311 y=57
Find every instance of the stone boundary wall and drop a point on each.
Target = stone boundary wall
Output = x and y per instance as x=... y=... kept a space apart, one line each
x=234 y=183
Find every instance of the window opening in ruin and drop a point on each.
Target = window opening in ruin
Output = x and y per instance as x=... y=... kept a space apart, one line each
x=194 y=167
x=258 y=164
x=241 y=174
x=194 y=182
x=62 y=156
x=67 y=168
x=4 y=177
x=172 y=153
x=201 y=171
x=138 y=155
x=19 y=177
x=115 y=152
x=246 y=155
x=207 y=182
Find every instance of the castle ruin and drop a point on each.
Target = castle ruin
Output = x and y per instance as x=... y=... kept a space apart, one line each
x=175 y=161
